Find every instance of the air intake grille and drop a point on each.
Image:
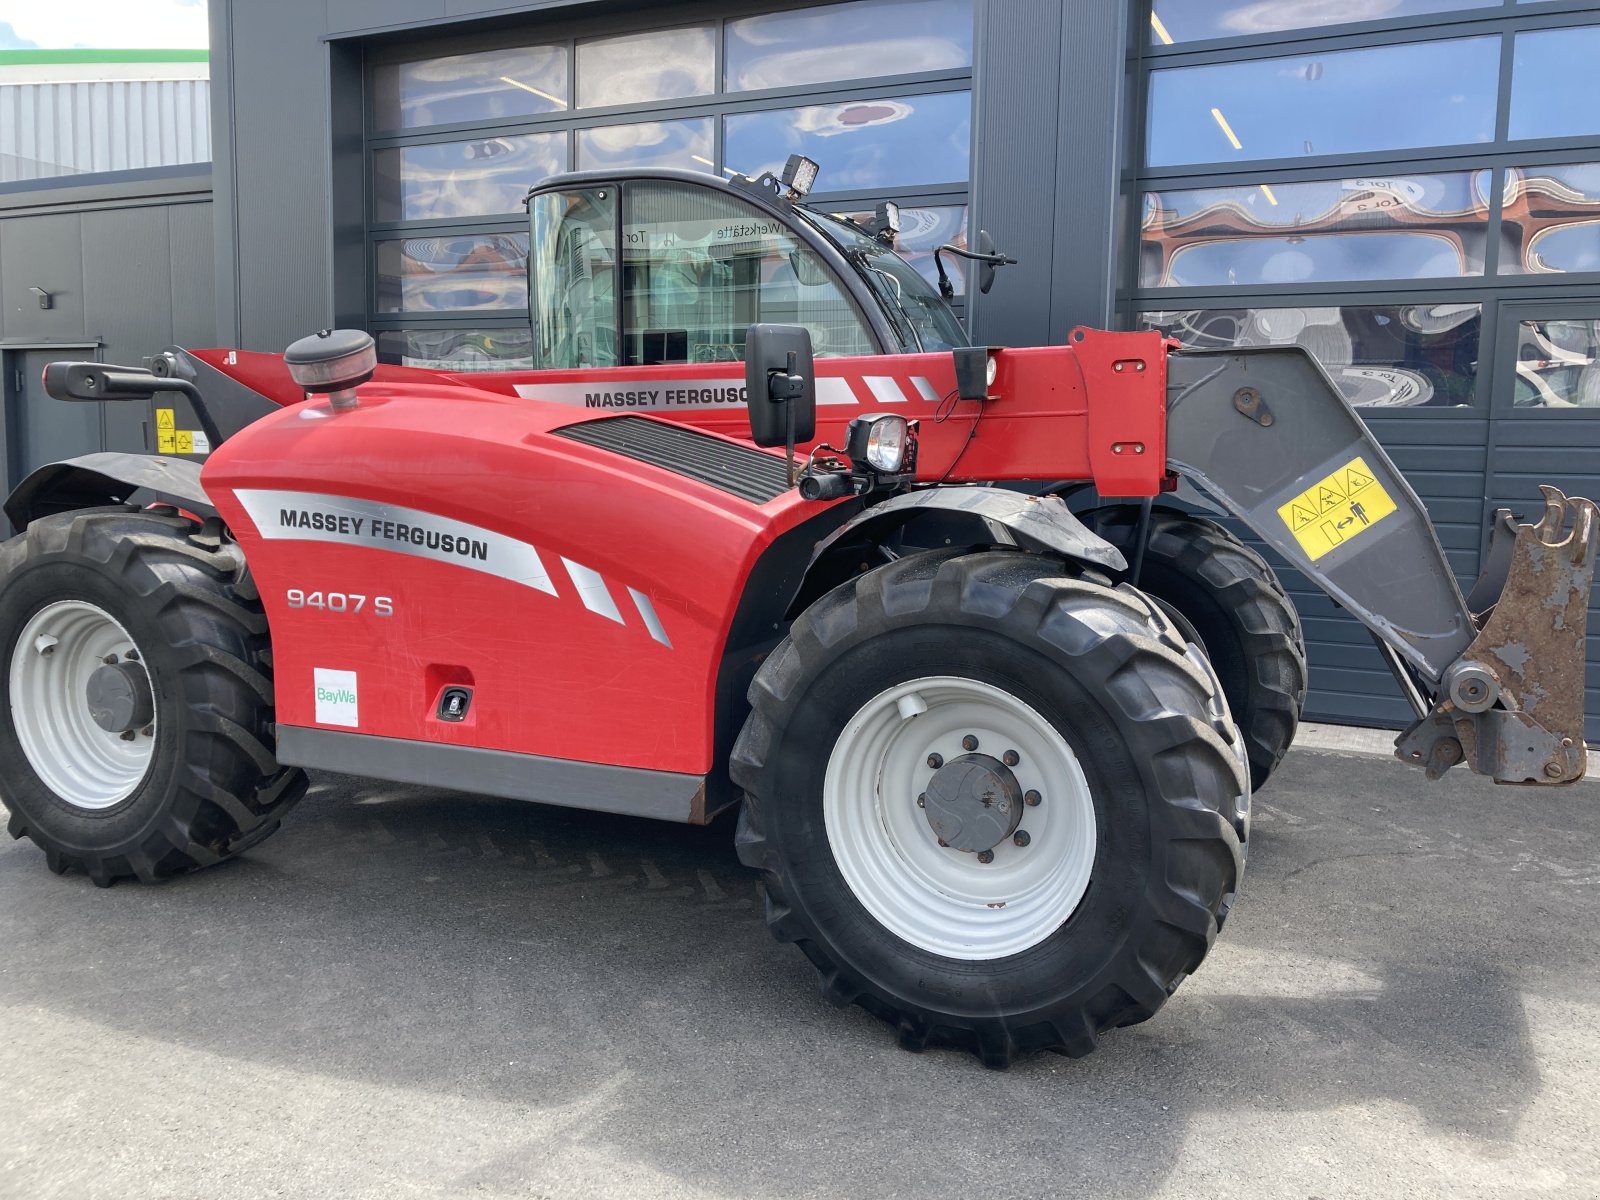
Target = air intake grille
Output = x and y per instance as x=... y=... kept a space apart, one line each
x=738 y=470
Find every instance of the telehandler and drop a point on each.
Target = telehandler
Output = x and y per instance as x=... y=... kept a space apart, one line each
x=733 y=539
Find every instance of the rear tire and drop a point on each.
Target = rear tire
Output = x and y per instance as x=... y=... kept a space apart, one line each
x=1240 y=611
x=196 y=783
x=1151 y=776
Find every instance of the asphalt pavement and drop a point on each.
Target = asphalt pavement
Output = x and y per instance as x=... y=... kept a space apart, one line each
x=414 y=994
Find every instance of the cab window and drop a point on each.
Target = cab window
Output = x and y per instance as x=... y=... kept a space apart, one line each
x=695 y=269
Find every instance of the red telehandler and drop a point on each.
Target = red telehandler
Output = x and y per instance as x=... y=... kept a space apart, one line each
x=732 y=538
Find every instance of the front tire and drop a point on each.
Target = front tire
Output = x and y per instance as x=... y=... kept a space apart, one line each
x=137 y=736
x=1087 y=696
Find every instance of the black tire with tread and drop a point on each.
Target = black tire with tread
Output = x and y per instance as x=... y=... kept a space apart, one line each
x=1240 y=610
x=214 y=787
x=1117 y=680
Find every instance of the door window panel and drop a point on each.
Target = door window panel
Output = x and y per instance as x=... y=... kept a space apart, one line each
x=863 y=144
x=457 y=349
x=1341 y=102
x=441 y=274
x=847 y=41
x=573 y=281
x=1550 y=219
x=1558 y=365
x=700 y=267
x=1397 y=227
x=639 y=68
x=1190 y=20
x=1379 y=356
x=1552 y=83
x=480 y=177
x=686 y=145
x=492 y=86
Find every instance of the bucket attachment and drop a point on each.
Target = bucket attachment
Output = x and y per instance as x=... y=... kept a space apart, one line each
x=1511 y=707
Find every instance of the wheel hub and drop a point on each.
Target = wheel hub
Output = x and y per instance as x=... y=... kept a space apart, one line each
x=974 y=803
x=119 y=697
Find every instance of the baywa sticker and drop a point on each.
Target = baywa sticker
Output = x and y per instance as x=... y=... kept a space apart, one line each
x=1337 y=508
x=338 y=698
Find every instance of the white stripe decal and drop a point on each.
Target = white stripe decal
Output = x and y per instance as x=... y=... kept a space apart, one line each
x=885 y=390
x=648 y=612
x=834 y=390
x=925 y=389
x=592 y=591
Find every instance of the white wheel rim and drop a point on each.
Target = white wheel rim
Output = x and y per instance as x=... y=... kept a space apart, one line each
x=56 y=653
x=937 y=898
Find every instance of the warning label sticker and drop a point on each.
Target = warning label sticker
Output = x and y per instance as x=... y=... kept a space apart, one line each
x=1337 y=508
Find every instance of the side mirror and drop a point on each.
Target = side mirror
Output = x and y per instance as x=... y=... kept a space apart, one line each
x=780 y=384
x=809 y=270
x=986 y=269
x=93 y=382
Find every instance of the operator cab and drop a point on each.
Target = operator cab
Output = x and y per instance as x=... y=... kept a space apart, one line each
x=662 y=267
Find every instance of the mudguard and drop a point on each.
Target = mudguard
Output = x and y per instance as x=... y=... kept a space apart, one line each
x=1042 y=524
x=112 y=478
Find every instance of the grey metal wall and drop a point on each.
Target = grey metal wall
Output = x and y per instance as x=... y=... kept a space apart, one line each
x=53 y=129
x=127 y=263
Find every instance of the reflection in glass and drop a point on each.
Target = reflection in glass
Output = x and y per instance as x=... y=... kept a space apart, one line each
x=1395 y=227
x=1341 y=102
x=1190 y=20
x=1558 y=364
x=636 y=68
x=1380 y=356
x=682 y=144
x=457 y=349
x=442 y=274
x=861 y=144
x=847 y=41
x=1550 y=219
x=462 y=179
x=496 y=84
x=924 y=230
x=1552 y=83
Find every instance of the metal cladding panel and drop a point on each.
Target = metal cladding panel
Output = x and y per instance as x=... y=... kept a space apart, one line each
x=193 y=274
x=44 y=252
x=53 y=129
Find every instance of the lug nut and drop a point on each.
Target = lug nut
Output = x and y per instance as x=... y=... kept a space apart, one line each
x=127 y=737
x=110 y=660
x=1021 y=837
x=922 y=800
x=936 y=761
x=969 y=743
x=148 y=731
x=132 y=656
x=944 y=843
x=986 y=857
x=1032 y=799
x=1011 y=758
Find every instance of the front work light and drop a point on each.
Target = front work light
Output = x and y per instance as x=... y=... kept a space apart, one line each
x=884 y=443
x=799 y=175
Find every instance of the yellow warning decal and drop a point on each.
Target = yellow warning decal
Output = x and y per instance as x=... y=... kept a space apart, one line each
x=166 y=419
x=1333 y=510
x=185 y=441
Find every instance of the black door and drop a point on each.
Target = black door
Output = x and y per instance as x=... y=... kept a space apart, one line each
x=40 y=430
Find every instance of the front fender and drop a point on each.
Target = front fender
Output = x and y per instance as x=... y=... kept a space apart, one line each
x=996 y=516
x=100 y=479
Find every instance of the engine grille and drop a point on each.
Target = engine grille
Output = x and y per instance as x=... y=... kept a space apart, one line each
x=738 y=470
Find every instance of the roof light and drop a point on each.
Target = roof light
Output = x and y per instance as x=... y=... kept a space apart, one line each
x=799 y=175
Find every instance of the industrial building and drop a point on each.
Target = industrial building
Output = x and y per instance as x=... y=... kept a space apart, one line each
x=1408 y=188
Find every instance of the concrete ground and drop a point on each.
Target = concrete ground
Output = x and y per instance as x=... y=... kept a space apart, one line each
x=411 y=994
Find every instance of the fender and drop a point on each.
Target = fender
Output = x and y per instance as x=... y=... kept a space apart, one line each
x=95 y=480
x=1043 y=524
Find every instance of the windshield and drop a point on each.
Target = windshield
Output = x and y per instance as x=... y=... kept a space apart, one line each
x=920 y=317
